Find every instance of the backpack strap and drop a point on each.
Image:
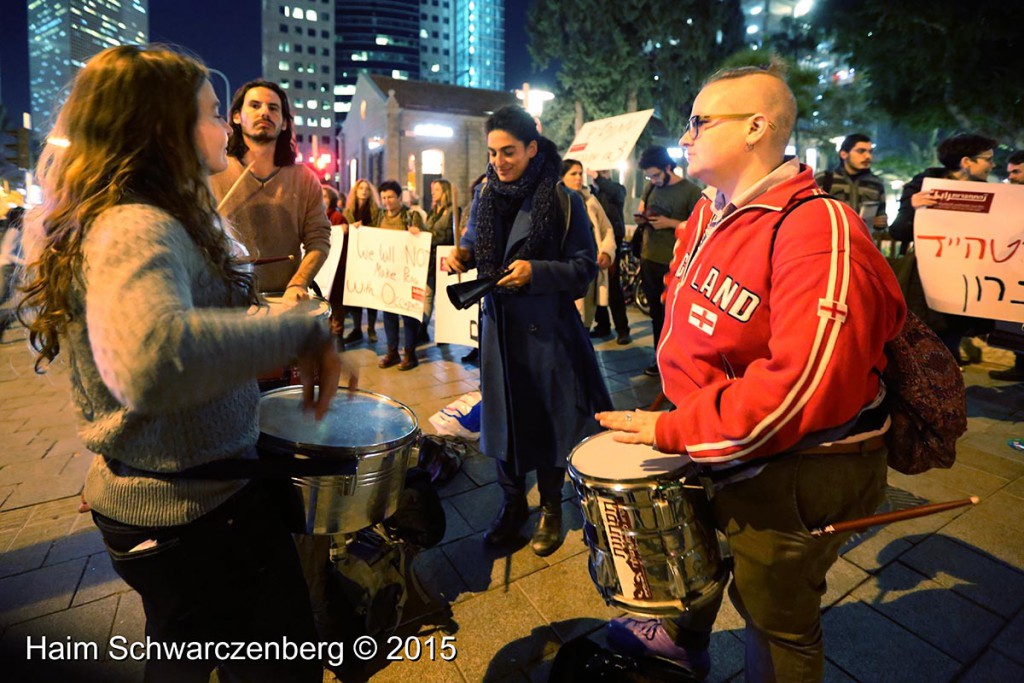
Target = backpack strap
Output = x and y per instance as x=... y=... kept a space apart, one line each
x=785 y=214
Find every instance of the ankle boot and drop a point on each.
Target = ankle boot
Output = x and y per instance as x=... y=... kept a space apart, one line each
x=505 y=527
x=548 y=536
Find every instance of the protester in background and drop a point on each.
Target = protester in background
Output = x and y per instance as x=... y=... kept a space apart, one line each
x=331 y=199
x=1015 y=176
x=274 y=204
x=539 y=374
x=439 y=225
x=604 y=238
x=397 y=216
x=336 y=298
x=963 y=157
x=362 y=208
x=853 y=183
x=667 y=201
x=11 y=263
x=612 y=196
x=132 y=274
x=474 y=354
x=777 y=400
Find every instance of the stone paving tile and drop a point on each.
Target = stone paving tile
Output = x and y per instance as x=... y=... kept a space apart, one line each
x=990 y=442
x=36 y=469
x=99 y=581
x=455 y=526
x=479 y=506
x=483 y=568
x=1002 y=508
x=992 y=667
x=878 y=550
x=480 y=469
x=13 y=455
x=869 y=647
x=843 y=577
x=998 y=540
x=1011 y=641
x=491 y=648
x=17 y=560
x=833 y=674
x=14 y=519
x=41 y=491
x=88 y=623
x=38 y=592
x=439 y=577
x=970 y=480
x=1015 y=488
x=423 y=669
x=566 y=598
x=972 y=574
x=460 y=483
x=5 y=493
x=948 y=621
x=993 y=463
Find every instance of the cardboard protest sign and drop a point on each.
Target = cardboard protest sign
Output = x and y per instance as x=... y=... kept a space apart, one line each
x=387 y=270
x=325 y=277
x=603 y=144
x=452 y=326
x=970 y=249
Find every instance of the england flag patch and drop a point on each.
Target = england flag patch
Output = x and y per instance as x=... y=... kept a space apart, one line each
x=703 y=319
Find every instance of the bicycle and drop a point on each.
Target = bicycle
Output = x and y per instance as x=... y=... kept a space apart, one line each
x=630 y=281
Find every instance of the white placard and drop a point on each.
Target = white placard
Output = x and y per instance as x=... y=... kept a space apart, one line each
x=970 y=249
x=603 y=144
x=325 y=277
x=452 y=326
x=387 y=270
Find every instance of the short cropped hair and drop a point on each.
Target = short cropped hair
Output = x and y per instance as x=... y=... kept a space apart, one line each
x=1016 y=158
x=852 y=140
x=952 y=150
x=656 y=157
x=390 y=185
x=515 y=121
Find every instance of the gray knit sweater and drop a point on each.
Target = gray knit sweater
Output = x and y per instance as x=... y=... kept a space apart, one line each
x=162 y=373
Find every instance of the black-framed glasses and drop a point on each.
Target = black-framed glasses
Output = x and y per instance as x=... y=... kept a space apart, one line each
x=990 y=159
x=697 y=121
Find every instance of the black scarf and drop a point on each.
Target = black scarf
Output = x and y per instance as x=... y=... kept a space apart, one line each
x=539 y=182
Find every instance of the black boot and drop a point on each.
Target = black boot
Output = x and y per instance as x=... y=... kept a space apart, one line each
x=548 y=536
x=505 y=527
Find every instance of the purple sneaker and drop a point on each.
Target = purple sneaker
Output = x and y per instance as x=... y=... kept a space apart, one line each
x=648 y=638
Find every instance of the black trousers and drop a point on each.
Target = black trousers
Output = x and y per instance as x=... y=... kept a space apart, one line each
x=232 y=575
x=652 y=278
x=617 y=304
x=549 y=482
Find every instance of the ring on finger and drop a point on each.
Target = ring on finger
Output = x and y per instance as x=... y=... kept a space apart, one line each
x=629 y=417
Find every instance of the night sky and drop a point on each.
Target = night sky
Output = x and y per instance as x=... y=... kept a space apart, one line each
x=226 y=35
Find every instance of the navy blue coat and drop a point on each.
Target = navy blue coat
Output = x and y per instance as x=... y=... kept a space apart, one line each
x=538 y=373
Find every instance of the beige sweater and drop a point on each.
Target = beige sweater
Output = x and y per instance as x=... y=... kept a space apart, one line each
x=275 y=218
x=163 y=375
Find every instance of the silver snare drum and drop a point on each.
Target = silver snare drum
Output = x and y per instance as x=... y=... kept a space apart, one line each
x=370 y=436
x=653 y=546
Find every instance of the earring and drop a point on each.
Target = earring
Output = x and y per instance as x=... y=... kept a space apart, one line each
x=750 y=147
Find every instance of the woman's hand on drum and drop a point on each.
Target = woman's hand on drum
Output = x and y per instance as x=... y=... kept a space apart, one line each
x=325 y=367
x=637 y=426
x=295 y=293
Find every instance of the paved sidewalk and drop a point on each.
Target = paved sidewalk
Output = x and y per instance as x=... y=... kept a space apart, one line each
x=933 y=599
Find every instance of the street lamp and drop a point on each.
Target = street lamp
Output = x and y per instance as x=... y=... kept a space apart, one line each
x=227 y=85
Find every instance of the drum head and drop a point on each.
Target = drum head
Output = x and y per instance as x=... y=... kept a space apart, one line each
x=357 y=423
x=601 y=457
x=273 y=304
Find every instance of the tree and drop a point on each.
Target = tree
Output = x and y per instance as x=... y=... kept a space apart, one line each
x=618 y=57
x=944 y=64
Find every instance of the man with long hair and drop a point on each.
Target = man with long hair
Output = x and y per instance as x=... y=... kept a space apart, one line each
x=274 y=204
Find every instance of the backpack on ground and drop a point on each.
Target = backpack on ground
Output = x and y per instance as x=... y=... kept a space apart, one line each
x=925 y=391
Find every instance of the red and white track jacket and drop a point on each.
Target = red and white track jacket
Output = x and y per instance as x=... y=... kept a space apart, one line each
x=759 y=353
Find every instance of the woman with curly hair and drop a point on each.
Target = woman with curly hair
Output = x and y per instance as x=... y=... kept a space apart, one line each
x=362 y=208
x=132 y=274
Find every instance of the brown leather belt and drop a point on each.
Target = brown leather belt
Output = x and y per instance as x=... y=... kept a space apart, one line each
x=870 y=444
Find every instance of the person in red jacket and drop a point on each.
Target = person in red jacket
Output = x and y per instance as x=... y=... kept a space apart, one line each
x=769 y=352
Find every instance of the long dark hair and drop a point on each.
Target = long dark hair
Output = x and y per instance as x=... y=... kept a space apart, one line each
x=284 y=149
x=113 y=139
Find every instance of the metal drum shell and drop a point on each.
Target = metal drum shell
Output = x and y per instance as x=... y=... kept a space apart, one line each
x=369 y=479
x=669 y=527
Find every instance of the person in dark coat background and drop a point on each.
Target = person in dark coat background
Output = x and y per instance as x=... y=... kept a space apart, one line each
x=539 y=374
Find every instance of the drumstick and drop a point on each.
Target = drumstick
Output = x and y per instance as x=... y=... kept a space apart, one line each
x=896 y=516
x=265 y=261
x=235 y=186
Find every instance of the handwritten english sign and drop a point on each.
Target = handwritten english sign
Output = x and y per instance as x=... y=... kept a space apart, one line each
x=387 y=270
x=603 y=144
x=970 y=249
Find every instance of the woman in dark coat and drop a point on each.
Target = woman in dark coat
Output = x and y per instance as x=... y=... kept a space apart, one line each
x=539 y=375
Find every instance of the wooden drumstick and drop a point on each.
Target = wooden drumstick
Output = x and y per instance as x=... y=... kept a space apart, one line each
x=235 y=186
x=265 y=261
x=895 y=516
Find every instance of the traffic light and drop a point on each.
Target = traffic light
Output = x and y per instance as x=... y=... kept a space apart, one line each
x=18 y=147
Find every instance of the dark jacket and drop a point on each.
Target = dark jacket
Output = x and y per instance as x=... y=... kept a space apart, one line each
x=538 y=373
x=612 y=197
